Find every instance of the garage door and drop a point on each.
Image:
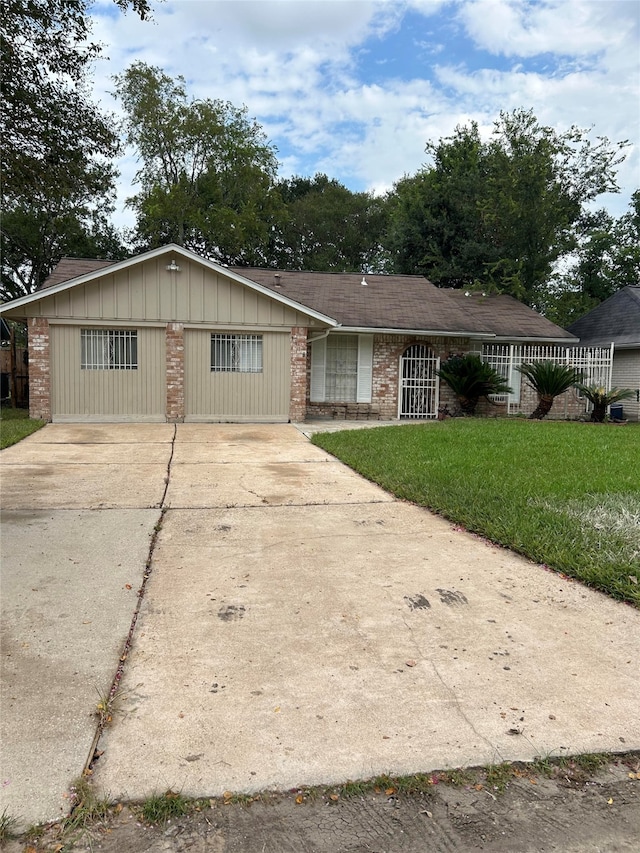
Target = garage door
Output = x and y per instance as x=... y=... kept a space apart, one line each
x=107 y=374
x=237 y=376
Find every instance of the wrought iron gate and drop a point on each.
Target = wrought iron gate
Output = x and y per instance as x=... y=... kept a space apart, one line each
x=418 y=383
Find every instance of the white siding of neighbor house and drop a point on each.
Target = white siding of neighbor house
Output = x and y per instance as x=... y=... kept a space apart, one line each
x=148 y=292
x=237 y=397
x=107 y=395
x=626 y=374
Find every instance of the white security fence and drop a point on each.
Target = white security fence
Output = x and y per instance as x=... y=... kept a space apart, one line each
x=594 y=363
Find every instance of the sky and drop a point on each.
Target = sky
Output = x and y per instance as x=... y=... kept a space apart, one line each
x=355 y=89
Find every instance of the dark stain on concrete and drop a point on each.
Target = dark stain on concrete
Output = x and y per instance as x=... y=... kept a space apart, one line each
x=417 y=602
x=452 y=597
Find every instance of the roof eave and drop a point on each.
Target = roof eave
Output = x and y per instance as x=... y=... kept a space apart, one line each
x=514 y=339
x=439 y=333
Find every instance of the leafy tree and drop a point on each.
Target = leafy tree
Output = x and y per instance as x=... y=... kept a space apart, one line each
x=607 y=259
x=35 y=238
x=435 y=226
x=499 y=214
x=548 y=379
x=47 y=118
x=329 y=228
x=208 y=171
x=602 y=399
x=57 y=146
x=470 y=378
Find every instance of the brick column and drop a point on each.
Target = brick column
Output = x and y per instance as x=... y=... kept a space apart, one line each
x=298 y=399
x=39 y=368
x=175 y=372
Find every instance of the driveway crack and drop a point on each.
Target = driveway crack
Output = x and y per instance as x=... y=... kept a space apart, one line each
x=449 y=689
x=115 y=684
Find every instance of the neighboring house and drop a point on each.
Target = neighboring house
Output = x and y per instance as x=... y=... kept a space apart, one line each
x=13 y=367
x=171 y=336
x=617 y=321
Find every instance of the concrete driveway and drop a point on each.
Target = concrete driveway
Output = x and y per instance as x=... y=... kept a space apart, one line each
x=299 y=626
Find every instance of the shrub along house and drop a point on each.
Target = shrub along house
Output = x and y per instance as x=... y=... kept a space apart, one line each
x=171 y=336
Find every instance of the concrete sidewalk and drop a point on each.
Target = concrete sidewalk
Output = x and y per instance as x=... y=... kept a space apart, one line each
x=299 y=626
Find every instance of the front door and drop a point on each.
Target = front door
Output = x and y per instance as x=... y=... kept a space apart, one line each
x=418 y=383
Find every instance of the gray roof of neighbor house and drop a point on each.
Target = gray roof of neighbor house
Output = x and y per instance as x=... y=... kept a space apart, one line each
x=391 y=302
x=406 y=302
x=616 y=320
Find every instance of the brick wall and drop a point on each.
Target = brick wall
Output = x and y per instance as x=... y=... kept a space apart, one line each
x=298 y=397
x=39 y=368
x=175 y=372
x=387 y=351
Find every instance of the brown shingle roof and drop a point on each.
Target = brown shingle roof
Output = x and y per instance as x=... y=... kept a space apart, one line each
x=386 y=302
x=68 y=268
x=406 y=302
x=506 y=317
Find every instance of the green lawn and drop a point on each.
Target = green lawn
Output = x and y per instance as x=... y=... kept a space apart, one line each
x=563 y=494
x=15 y=424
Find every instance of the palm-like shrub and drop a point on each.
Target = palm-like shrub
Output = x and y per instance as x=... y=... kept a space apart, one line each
x=548 y=379
x=602 y=399
x=470 y=378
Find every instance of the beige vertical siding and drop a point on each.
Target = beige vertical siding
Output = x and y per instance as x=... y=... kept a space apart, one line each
x=107 y=395
x=626 y=374
x=213 y=396
x=149 y=292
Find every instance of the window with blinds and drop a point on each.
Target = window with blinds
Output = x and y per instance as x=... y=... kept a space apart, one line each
x=342 y=367
x=236 y=353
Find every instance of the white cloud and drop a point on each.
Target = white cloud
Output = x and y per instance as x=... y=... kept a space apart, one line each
x=298 y=66
x=568 y=27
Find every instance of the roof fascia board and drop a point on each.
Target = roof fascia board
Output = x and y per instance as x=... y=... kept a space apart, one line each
x=361 y=330
x=617 y=346
x=173 y=248
x=535 y=339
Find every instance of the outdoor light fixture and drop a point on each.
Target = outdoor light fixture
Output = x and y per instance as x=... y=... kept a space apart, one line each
x=173 y=266
x=364 y=282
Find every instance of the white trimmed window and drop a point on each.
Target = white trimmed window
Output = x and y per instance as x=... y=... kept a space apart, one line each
x=341 y=369
x=236 y=353
x=108 y=349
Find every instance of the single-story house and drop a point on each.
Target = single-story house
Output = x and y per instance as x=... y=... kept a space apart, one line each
x=617 y=321
x=171 y=336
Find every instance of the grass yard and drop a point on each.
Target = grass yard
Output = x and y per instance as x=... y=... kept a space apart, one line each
x=563 y=494
x=15 y=425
